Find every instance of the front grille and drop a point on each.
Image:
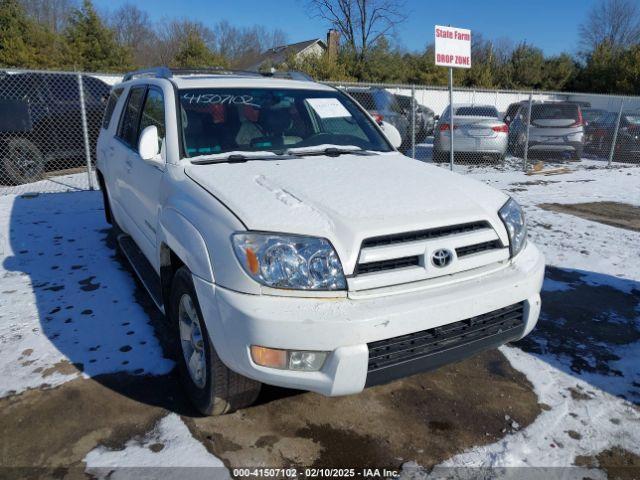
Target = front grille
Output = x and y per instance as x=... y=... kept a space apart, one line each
x=397 y=350
x=424 y=234
x=392 y=264
x=478 y=247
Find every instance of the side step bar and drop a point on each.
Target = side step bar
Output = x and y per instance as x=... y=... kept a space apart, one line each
x=143 y=269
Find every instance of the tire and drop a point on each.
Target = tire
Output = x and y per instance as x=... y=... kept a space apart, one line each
x=108 y=214
x=577 y=154
x=440 y=157
x=216 y=390
x=22 y=161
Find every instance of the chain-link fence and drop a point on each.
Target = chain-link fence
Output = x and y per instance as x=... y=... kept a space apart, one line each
x=49 y=125
x=506 y=129
x=50 y=121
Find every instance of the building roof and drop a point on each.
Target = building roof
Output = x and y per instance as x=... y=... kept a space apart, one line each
x=280 y=53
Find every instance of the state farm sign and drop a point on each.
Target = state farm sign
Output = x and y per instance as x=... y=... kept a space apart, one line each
x=453 y=47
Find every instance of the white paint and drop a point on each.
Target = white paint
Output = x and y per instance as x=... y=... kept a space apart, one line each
x=452 y=47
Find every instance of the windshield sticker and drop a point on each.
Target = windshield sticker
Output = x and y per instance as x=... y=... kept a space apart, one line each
x=328 y=107
x=218 y=99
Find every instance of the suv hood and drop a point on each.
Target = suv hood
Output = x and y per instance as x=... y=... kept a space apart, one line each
x=349 y=198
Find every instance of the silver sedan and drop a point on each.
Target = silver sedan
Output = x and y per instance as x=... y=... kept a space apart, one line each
x=478 y=132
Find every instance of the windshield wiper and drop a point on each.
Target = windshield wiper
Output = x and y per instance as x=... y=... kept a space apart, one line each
x=327 y=150
x=238 y=157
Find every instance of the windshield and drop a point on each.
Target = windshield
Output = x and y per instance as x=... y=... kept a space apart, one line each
x=272 y=120
x=477 y=112
x=551 y=111
x=593 y=115
x=633 y=118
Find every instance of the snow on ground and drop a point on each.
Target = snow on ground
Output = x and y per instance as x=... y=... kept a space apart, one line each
x=169 y=444
x=70 y=182
x=572 y=426
x=64 y=300
x=589 y=411
x=569 y=241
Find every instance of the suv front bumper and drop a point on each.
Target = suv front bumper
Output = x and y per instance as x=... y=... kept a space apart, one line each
x=344 y=326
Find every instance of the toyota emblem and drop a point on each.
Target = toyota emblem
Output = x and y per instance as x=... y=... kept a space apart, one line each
x=441 y=258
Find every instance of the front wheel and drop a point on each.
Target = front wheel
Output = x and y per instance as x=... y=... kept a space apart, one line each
x=440 y=157
x=213 y=388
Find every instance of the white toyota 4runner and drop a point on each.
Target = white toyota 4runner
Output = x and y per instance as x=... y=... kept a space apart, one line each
x=289 y=243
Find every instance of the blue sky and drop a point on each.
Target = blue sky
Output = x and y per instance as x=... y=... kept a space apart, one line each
x=549 y=24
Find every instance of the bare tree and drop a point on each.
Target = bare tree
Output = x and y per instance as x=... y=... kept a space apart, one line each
x=134 y=30
x=361 y=22
x=53 y=14
x=173 y=34
x=616 y=22
x=241 y=45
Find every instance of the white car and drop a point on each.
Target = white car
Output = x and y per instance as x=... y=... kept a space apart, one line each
x=289 y=243
x=478 y=132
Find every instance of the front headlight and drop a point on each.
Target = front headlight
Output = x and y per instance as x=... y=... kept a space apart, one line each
x=513 y=218
x=289 y=261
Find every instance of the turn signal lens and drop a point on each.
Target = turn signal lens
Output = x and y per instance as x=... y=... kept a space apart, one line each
x=501 y=129
x=304 y=361
x=269 y=357
x=252 y=261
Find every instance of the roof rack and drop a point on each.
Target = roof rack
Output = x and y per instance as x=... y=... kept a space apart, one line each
x=291 y=75
x=166 y=72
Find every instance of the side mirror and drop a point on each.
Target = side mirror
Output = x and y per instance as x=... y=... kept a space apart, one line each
x=148 y=145
x=392 y=134
x=436 y=117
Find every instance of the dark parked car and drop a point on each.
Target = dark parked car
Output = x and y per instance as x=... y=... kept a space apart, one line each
x=383 y=105
x=590 y=115
x=41 y=125
x=599 y=136
x=425 y=118
x=512 y=109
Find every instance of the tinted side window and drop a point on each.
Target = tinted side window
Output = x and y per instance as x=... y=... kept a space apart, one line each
x=365 y=99
x=128 y=128
x=96 y=91
x=153 y=113
x=111 y=105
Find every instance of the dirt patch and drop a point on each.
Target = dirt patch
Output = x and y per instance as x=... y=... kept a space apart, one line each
x=63 y=367
x=58 y=427
x=536 y=182
x=619 y=464
x=578 y=394
x=584 y=317
x=426 y=418
x=616 y=214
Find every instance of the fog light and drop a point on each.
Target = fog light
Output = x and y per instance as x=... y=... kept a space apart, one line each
x=304 y=361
